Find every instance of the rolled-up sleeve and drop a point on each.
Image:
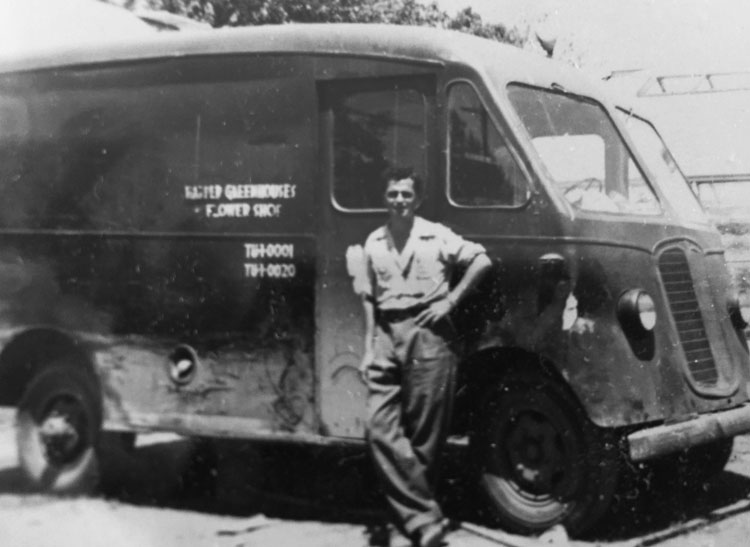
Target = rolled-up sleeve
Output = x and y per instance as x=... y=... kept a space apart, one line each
x=458 y=250
x=359 y=267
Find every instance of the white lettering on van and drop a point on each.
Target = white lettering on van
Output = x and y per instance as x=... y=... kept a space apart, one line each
x=269 y=250
x=230 y=193
x=260 y=191
x=243 y=210
x=196 y=192
x=267 y=210
x=228 y=210
x=276 y=270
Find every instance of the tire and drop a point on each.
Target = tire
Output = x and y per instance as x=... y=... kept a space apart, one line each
x=540 y=460
x=58 y=424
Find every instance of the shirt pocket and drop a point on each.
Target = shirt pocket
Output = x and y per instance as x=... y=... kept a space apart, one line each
x=427 y=265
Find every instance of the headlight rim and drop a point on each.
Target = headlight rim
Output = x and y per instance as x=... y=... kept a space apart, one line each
x=636 y=310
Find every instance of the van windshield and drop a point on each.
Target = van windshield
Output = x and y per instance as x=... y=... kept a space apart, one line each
x=660 y=162
x=582 y=152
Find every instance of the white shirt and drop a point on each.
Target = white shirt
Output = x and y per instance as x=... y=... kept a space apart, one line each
x=421 y=273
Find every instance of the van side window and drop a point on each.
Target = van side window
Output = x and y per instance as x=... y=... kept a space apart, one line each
x=375 y=125
x=482 y=170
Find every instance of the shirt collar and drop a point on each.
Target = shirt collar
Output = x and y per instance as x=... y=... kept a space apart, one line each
x=420 y=229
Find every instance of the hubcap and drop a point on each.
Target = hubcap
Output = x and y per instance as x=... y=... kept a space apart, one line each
x=536 y=453
x=62 y=430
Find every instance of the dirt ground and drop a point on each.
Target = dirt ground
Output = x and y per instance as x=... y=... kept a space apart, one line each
x=319 y=500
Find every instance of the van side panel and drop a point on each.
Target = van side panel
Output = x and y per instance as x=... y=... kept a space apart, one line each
x=161 y=214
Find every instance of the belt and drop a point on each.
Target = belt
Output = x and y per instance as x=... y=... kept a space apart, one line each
x=394 y=316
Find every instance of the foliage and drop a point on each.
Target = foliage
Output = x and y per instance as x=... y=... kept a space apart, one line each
x=220 y=13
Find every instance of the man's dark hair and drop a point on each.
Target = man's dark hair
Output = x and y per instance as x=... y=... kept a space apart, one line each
x=400 y=173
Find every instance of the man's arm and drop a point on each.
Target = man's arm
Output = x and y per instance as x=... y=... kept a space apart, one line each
x=369 y=353
x=474 y=273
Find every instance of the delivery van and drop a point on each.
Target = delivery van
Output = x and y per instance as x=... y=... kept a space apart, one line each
x=181 y=220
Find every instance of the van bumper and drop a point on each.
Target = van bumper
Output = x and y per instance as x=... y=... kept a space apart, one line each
x=657 y=441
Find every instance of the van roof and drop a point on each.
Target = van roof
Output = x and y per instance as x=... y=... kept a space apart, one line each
x=372 y=40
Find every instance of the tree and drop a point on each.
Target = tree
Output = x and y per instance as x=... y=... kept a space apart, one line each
x=220 y=13
x=471 y=22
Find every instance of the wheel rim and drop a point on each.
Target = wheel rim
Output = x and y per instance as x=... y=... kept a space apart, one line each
x=536 y=454
x=534 y=464
x=63 y=429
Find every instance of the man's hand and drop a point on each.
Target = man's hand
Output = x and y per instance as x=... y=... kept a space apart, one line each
x=434 y=313
x=367 y=360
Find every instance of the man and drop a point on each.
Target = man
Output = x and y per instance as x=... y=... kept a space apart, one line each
x=409 y=359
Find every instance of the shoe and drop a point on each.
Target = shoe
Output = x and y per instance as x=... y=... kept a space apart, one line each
x=378 y=535
x=433 y=534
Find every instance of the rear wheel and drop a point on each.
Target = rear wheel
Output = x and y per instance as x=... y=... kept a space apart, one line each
x=541 y=461
x=57 y=428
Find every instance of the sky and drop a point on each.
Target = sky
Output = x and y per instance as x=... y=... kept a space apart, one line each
x=28 y=24
x=603 y=35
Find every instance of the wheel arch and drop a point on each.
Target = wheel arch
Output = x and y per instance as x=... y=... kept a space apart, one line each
x=30 y=352
x=485 y=369
x=508 y=379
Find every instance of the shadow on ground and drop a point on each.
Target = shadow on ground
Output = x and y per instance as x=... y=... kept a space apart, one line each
x=236 y=478
x=337 y=485
x=654 y=509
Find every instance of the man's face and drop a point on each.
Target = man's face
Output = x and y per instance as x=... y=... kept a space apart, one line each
x=401 y=199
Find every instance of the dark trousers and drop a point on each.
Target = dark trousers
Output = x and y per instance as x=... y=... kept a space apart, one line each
x=410 y=394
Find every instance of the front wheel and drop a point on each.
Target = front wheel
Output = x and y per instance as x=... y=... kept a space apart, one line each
x=57 y=427
x=541 y=461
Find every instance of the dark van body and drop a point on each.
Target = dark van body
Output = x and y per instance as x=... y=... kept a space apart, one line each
x=180 y=223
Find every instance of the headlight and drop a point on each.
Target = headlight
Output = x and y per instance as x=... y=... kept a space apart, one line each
x=743 y=298
x=739 y=308
x=637 y=311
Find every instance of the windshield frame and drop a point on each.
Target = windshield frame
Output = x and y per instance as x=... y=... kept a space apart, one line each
x=670 y=197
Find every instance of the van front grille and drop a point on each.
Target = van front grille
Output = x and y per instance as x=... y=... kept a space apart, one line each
x=678 y=283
